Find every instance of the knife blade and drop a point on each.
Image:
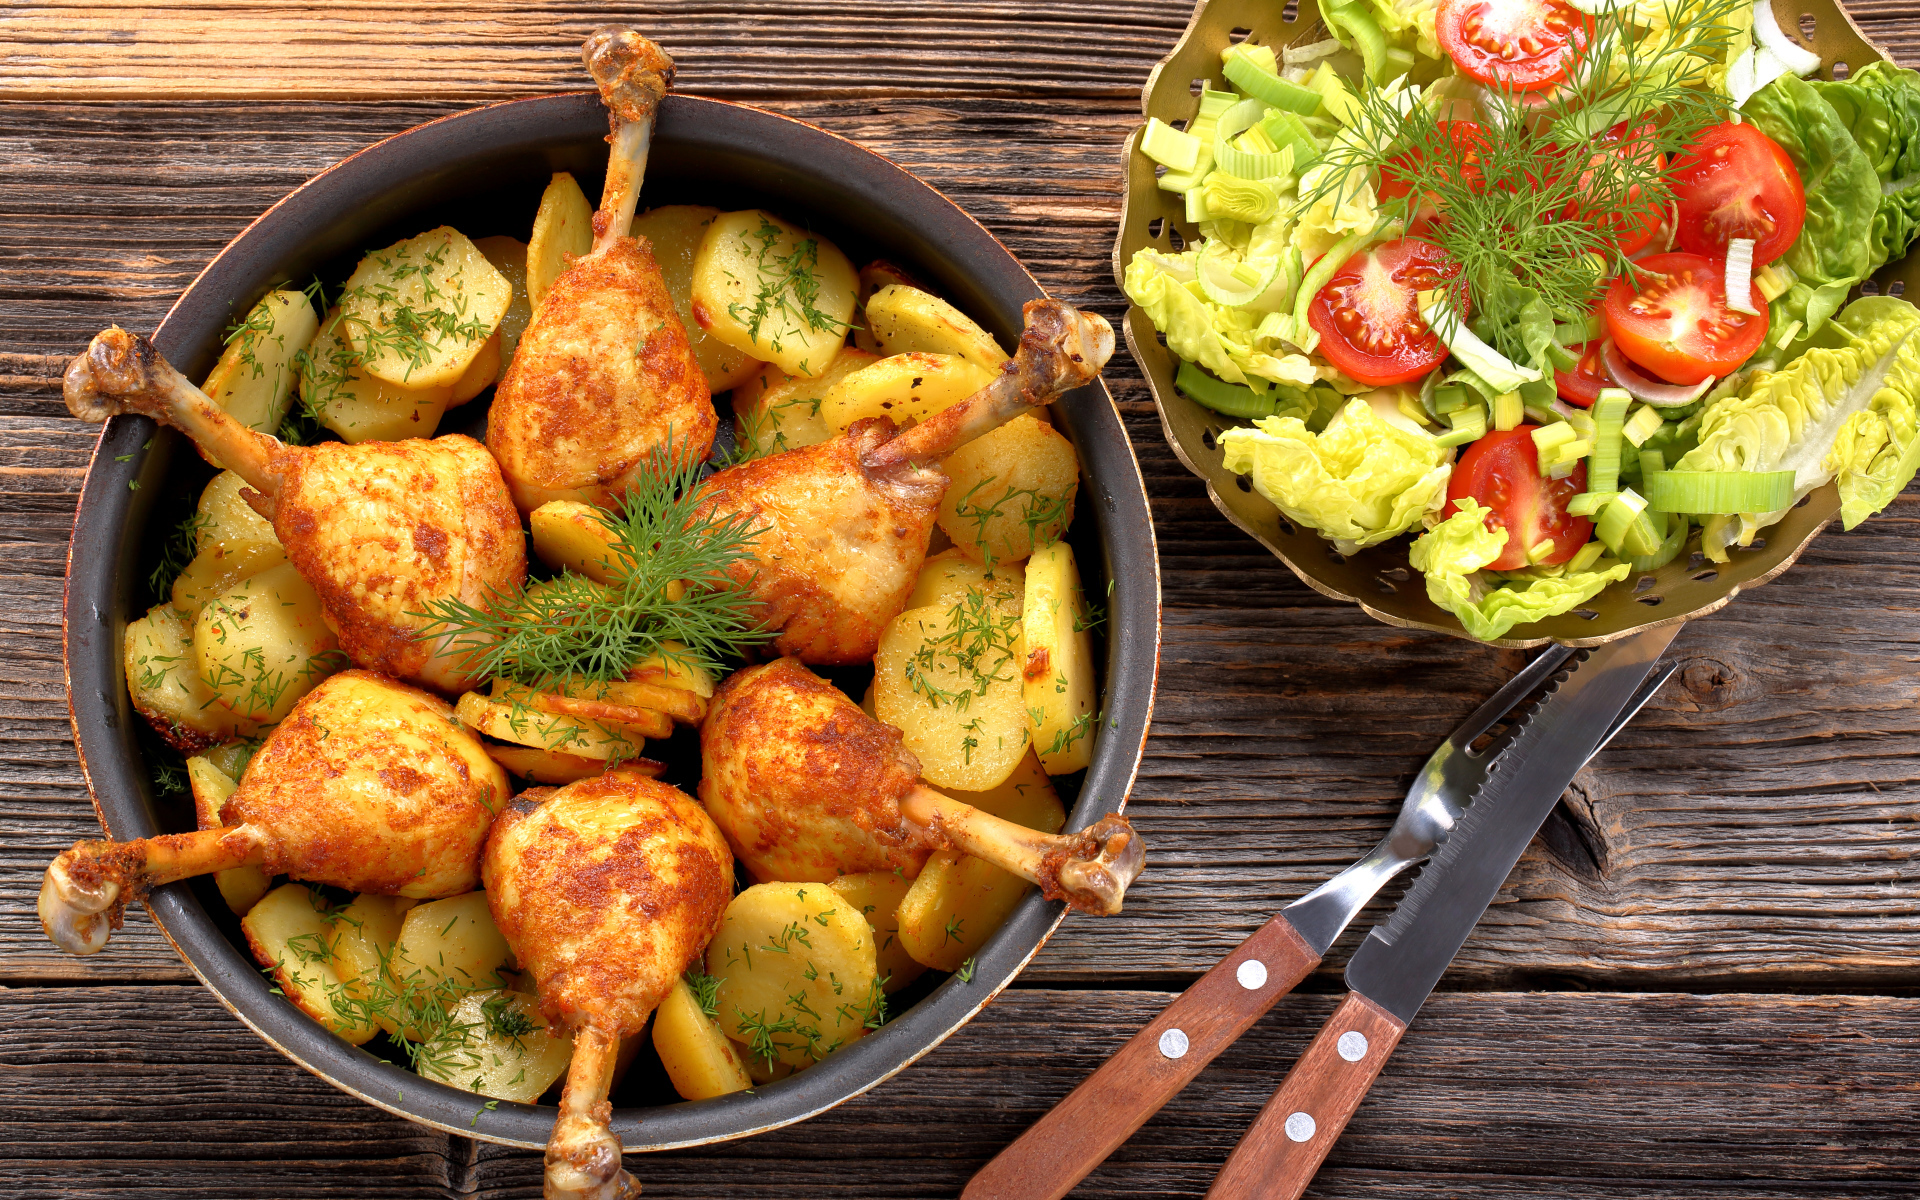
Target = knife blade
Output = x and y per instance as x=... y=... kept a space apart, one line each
x=1401 y=960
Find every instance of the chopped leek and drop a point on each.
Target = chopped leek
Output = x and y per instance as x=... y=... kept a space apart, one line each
x=1237 y=160
x=1287 y=129
x=1228 y=399
x=1450 y=397
x=1568 y=453
x=1489 y=364
x=1541 y=551
x=1588 y=503
x=1643 y=424
x=1548 y=439
x=1230 y=196
x=1364 y=32
x=1609 y=414
x=1265 y=85
x=1740 y=275
x=1229 y=282
x=1196 y=201
x=1652 y=462
x=1618 y=518
x=1584 y=558
x=1720 y=492
x=1774 y=280
x=1168 y=146
x=1508 y=411
x=1667 y=550
x=1213 y=103
x=1469 y=425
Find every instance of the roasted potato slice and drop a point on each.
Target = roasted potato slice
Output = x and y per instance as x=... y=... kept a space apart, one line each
x=497 y=1043
x=240 y=887
x=223 y=515
x=797 y=970
x=288 y=932
x=1012 y=490
x=509 y=257
x=877 y=894
x=480 y=373
x=905 y=319
x=219 y=568
x=673 y=668
x=526 y=725
x=254 y=378
x=446 y=949
x=949 y=679
x=556 y=767
x=361 y=944
x=701 y=1061
x=775 y=411
x=676 y=230
x=1056 y=661
x=417 y=313
x=771 y=290
x=356 y=405
x=907 y=387
x=875 y=275
x=265 y=644
x=562 y=231
x=163 y=680
x=948 y=577
x=574 y=536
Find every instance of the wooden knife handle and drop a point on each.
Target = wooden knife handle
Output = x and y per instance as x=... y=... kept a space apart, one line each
x=1061 y=1148
x=1278 y=1156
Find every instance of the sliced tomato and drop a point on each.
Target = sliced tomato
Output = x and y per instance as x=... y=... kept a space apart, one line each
x=1524 y=45
x=1736 y=182
x=1676 y=323
x=1502 y=472
x=1632 y=232
x=1581 y=386
x=1467 y=140
x=1369 y=320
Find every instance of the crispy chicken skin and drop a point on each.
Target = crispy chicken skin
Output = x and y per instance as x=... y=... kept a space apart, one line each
x=841 y=546
x=805 y=785
x=603 y=375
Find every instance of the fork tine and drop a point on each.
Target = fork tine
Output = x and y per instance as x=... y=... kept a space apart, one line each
x=1516 y=689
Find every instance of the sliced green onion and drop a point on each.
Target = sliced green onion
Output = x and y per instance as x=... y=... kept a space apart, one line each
x=1562 y=358
x=1266 y=86
x=1228 y=399
x=1720 y=492
x=1365 y=32
x=1609 y=414
x=1740 y=276
x=1668 y=549
x=1169 y=146
x=1588 y=503
x=1469 y=425
x=1618 y=517
x=1508 y=411
x=1643 y=424
x=1584 y=558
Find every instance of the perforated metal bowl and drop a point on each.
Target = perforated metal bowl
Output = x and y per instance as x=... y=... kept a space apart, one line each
x=1378 y=579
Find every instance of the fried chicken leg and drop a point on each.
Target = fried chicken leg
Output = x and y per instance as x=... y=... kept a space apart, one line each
x=604 y=374
x=847 y=521
x=382 y=530
x=368 y=785
x=807 y=787
x=607 y=889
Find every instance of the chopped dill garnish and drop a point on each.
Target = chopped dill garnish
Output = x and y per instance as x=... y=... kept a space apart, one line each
x=706 y=991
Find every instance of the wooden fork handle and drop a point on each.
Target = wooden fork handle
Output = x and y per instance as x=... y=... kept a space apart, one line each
x=1277 y=1158
x=1061 y=1148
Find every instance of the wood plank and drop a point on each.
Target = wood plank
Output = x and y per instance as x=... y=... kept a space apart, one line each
x=1489 y=1095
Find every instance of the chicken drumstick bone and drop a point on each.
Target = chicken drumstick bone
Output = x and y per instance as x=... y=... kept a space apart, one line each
x=382 y=530
x=807 y=787
x=367 y=785
x=847 y=521
x=606 y=889
x=604 y=373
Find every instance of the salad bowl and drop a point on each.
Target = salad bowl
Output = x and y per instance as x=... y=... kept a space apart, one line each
x=1378 y=579
x=484 y=171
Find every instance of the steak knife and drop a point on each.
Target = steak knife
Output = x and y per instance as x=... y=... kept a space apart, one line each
x=1401 y=960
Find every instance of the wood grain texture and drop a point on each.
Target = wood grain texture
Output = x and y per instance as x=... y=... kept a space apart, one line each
x=1491 y=1095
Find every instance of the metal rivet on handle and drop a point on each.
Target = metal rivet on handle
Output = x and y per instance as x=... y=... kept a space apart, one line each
x=1352 y=1045
x=1252 y=974
x=1300 y=1127
x=1173 y=1043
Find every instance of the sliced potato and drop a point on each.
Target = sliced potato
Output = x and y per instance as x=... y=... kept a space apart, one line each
x=287 y=932
x=673 y=669
x=254 y=378
x=358 y=406
x=573 y=536
x=1012 y=490
x=907 y=387
x=762 y=1070
x=163 y=679
x=509 y=257
x=947 y=578
x=675 y=231
x=219 y=568
x=549 y=766
x=496 y=1043
x=797 y=971
x=904 y=319
x=562 y=231
x=954 y=906
x=875 y=275
x=775 y=411
x=233 y=758
x=265 y=644
x=361 y=944
x=772 y=291
x=418 y=312
x=446 y=949
x=700 y=1060
x=1056 y=662
x=225 y=516
x=240 y=887
x=526 y=725
x=1026 y=797
x=949 y=680
x=480 y=373
x=877 y=894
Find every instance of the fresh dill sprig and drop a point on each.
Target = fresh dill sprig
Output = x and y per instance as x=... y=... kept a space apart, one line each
x=671 y=564
x=178 y=550
x=706 y=991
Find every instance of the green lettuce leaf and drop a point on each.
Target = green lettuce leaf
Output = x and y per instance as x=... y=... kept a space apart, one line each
x=1844 y=409
x=1226 y=341
x=1453 y=555
x=1359 y=481
x=1880 y=107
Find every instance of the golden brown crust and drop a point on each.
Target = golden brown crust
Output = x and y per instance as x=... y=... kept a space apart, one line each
x=804 y=784
x=840 y=554
x=602 y=376
x=606 y=890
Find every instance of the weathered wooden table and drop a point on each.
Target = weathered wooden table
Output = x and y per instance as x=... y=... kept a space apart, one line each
x=1701 y=979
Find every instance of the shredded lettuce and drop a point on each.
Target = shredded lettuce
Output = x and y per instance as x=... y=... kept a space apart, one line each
x=1453 y=556
x=1360 y=481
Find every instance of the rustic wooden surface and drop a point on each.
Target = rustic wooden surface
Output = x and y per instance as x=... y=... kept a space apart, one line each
x=1699 y=978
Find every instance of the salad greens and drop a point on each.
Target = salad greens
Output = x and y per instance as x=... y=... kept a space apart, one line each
x=1453 y=554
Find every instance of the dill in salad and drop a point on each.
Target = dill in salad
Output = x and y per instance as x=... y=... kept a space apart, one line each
x=1560 y=291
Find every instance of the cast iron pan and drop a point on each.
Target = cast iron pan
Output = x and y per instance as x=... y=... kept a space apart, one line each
x=483 y=172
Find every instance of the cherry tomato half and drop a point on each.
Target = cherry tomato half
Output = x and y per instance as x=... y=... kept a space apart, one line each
x=1467 y=139
x=1736 y=182
x=1367 y=316
x=1581 y=386
x=1677 y=324
x=1502 y=472
x=1632 y=232
x=1524 y=45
